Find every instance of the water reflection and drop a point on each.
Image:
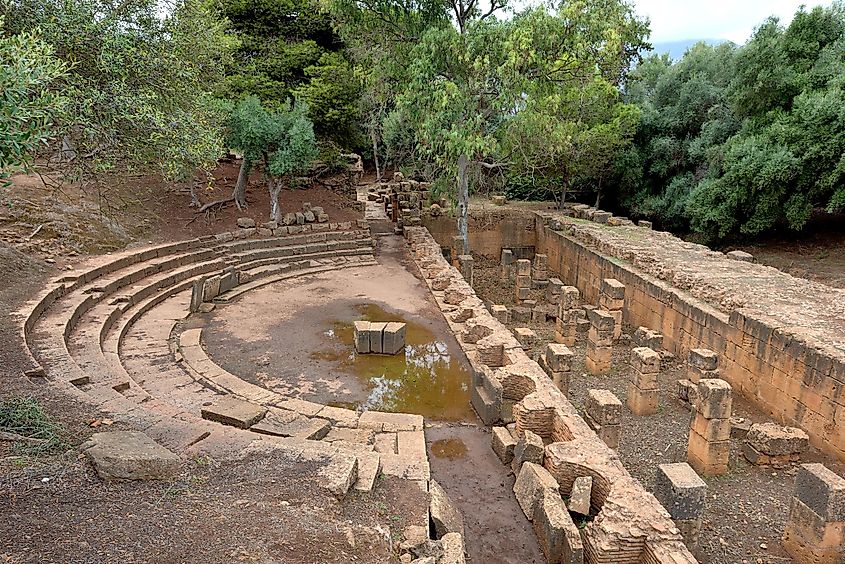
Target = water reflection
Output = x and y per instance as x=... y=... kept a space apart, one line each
x=425 y=380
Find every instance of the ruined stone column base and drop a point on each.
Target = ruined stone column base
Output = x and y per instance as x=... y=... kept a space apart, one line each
x=809 y=539
x=642 y=402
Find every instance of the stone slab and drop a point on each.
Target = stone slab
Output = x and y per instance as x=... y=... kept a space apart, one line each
x=130 y=455
x=229 y=410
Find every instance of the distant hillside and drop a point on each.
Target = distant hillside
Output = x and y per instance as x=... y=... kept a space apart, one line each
x=676 y=49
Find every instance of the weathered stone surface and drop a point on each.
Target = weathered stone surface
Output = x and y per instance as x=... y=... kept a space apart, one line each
x=557 y=534
x=453 y=549
x=740 y=256
x=773 y=440
x=246 y=222
x=293 y=425
x=579 y=499
x=559 y=357
x=503 y=444
x=603 y=407
x=705 y=359
x=822 y=490
x=645 y=360
x=532 y=483
x=680 y=490
x=529 y=448
x=393 y=338
x=229 y=410
x=714 y=398
x=376 y=336
x=445 y=517
x=130 y=455
x=339 y=474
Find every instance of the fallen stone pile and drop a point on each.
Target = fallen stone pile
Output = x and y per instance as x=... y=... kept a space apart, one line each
x=403 y=199
x=539 y=432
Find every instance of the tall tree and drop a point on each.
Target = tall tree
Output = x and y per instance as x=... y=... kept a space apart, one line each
x=281 y=140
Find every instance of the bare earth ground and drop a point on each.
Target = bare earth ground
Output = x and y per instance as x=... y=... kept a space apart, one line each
x=53 y=508
x=293 y=349
x=747 y=508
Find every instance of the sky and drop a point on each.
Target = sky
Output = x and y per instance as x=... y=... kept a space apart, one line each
x=734 y=20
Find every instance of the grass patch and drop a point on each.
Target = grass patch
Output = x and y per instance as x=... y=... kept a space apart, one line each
x=24 y=416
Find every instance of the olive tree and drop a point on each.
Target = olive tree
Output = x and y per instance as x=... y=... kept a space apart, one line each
x=282 y=142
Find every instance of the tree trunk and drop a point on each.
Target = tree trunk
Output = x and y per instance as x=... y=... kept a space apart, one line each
x=275 y=209
x=563 y=196
x=598 y=195
x=239 y=195
x=375 y=154
x=463 y=201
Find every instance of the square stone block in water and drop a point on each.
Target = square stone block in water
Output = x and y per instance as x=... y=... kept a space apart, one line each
x=393 y=338
x=376 y=332
x=361 y=335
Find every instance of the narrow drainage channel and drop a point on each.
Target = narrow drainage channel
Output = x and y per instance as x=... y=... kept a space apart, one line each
x=481 y=487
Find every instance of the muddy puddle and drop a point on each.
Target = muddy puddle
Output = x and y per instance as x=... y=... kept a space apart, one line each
x=426 y=379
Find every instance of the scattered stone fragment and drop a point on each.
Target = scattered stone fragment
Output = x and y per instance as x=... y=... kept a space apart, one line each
x=579 y=500
x=532 y=483
x=772 y=444
x=529 y=448
x=130 y=455
x=246 y=222
x=229 y=410
x=445 y=517
x=503 y=444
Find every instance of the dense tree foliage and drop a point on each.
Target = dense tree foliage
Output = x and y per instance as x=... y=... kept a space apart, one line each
x=288 y=48
x=30 y=109
x=140 y=74
x=456 y=86
x=739 y=141
x=281 y=140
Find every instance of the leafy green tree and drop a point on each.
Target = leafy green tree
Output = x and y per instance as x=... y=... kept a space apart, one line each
x=138 y=83
x=28 y=108
x=289 y=49
x=282 y=141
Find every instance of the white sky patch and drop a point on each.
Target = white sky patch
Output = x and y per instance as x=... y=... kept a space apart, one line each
x=734 y=20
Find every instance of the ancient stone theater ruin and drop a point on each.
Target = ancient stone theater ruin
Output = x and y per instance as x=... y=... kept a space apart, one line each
x=639 y=399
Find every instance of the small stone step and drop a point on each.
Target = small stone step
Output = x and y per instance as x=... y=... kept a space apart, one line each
x=229 y=410
x=130 y=455
x=293 y=425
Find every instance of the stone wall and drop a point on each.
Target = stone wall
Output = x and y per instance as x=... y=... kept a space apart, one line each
x=489 y=231
x=780 y=340
x=630 y=526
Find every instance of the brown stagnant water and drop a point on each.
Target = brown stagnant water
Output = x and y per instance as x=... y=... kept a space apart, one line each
x=426 y=379
x=451 y=449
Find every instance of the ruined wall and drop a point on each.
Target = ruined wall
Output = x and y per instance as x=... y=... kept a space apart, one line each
x=489 y=231
x=776 y=336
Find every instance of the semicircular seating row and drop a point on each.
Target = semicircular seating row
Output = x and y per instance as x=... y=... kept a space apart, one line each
x=111 y=335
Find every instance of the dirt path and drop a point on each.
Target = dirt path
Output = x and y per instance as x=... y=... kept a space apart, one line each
x=463 y=463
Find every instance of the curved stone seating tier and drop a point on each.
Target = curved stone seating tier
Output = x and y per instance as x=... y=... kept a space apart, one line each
x=111 y=336
x=630 y=525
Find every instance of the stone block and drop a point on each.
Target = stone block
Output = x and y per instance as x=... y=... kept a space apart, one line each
x=528 y=448
x=579 y=498
x=130 y=455
x=522 y=294
x=293 y=425
x=821 y=490
x=613 y=288
x=393 y=338
x=680 y=490
x=533 y=482
x=339 y=474
x=445 y=517
x=553 y=290
x=601 y=320
x=687 y=390
x=523 y=268
x=610 y=304
x=570 y=297
x=603 y=407
x=645 y=337
x=229 y=410
x=774 y=440
x=644 y=224
x=525 y=336
x=713 y=430
x=811 y=540
x=246 y=222
x=714 y=398
x=598 y=358
x=706 y=457
x=558 y=536
x=501 y=313
x=642 y=402
x=645 y=360
x=644 y=381
x=197 y=295
x=361 y=336
x=507 y=257
x=740 y=256
x=211 y=288
x=520 y=314
x=376 y=336
x=503 y=444
x=498 y=200
x=705 y=359
x=558 y=357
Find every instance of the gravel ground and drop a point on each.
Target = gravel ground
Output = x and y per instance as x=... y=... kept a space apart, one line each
x=747 y=508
